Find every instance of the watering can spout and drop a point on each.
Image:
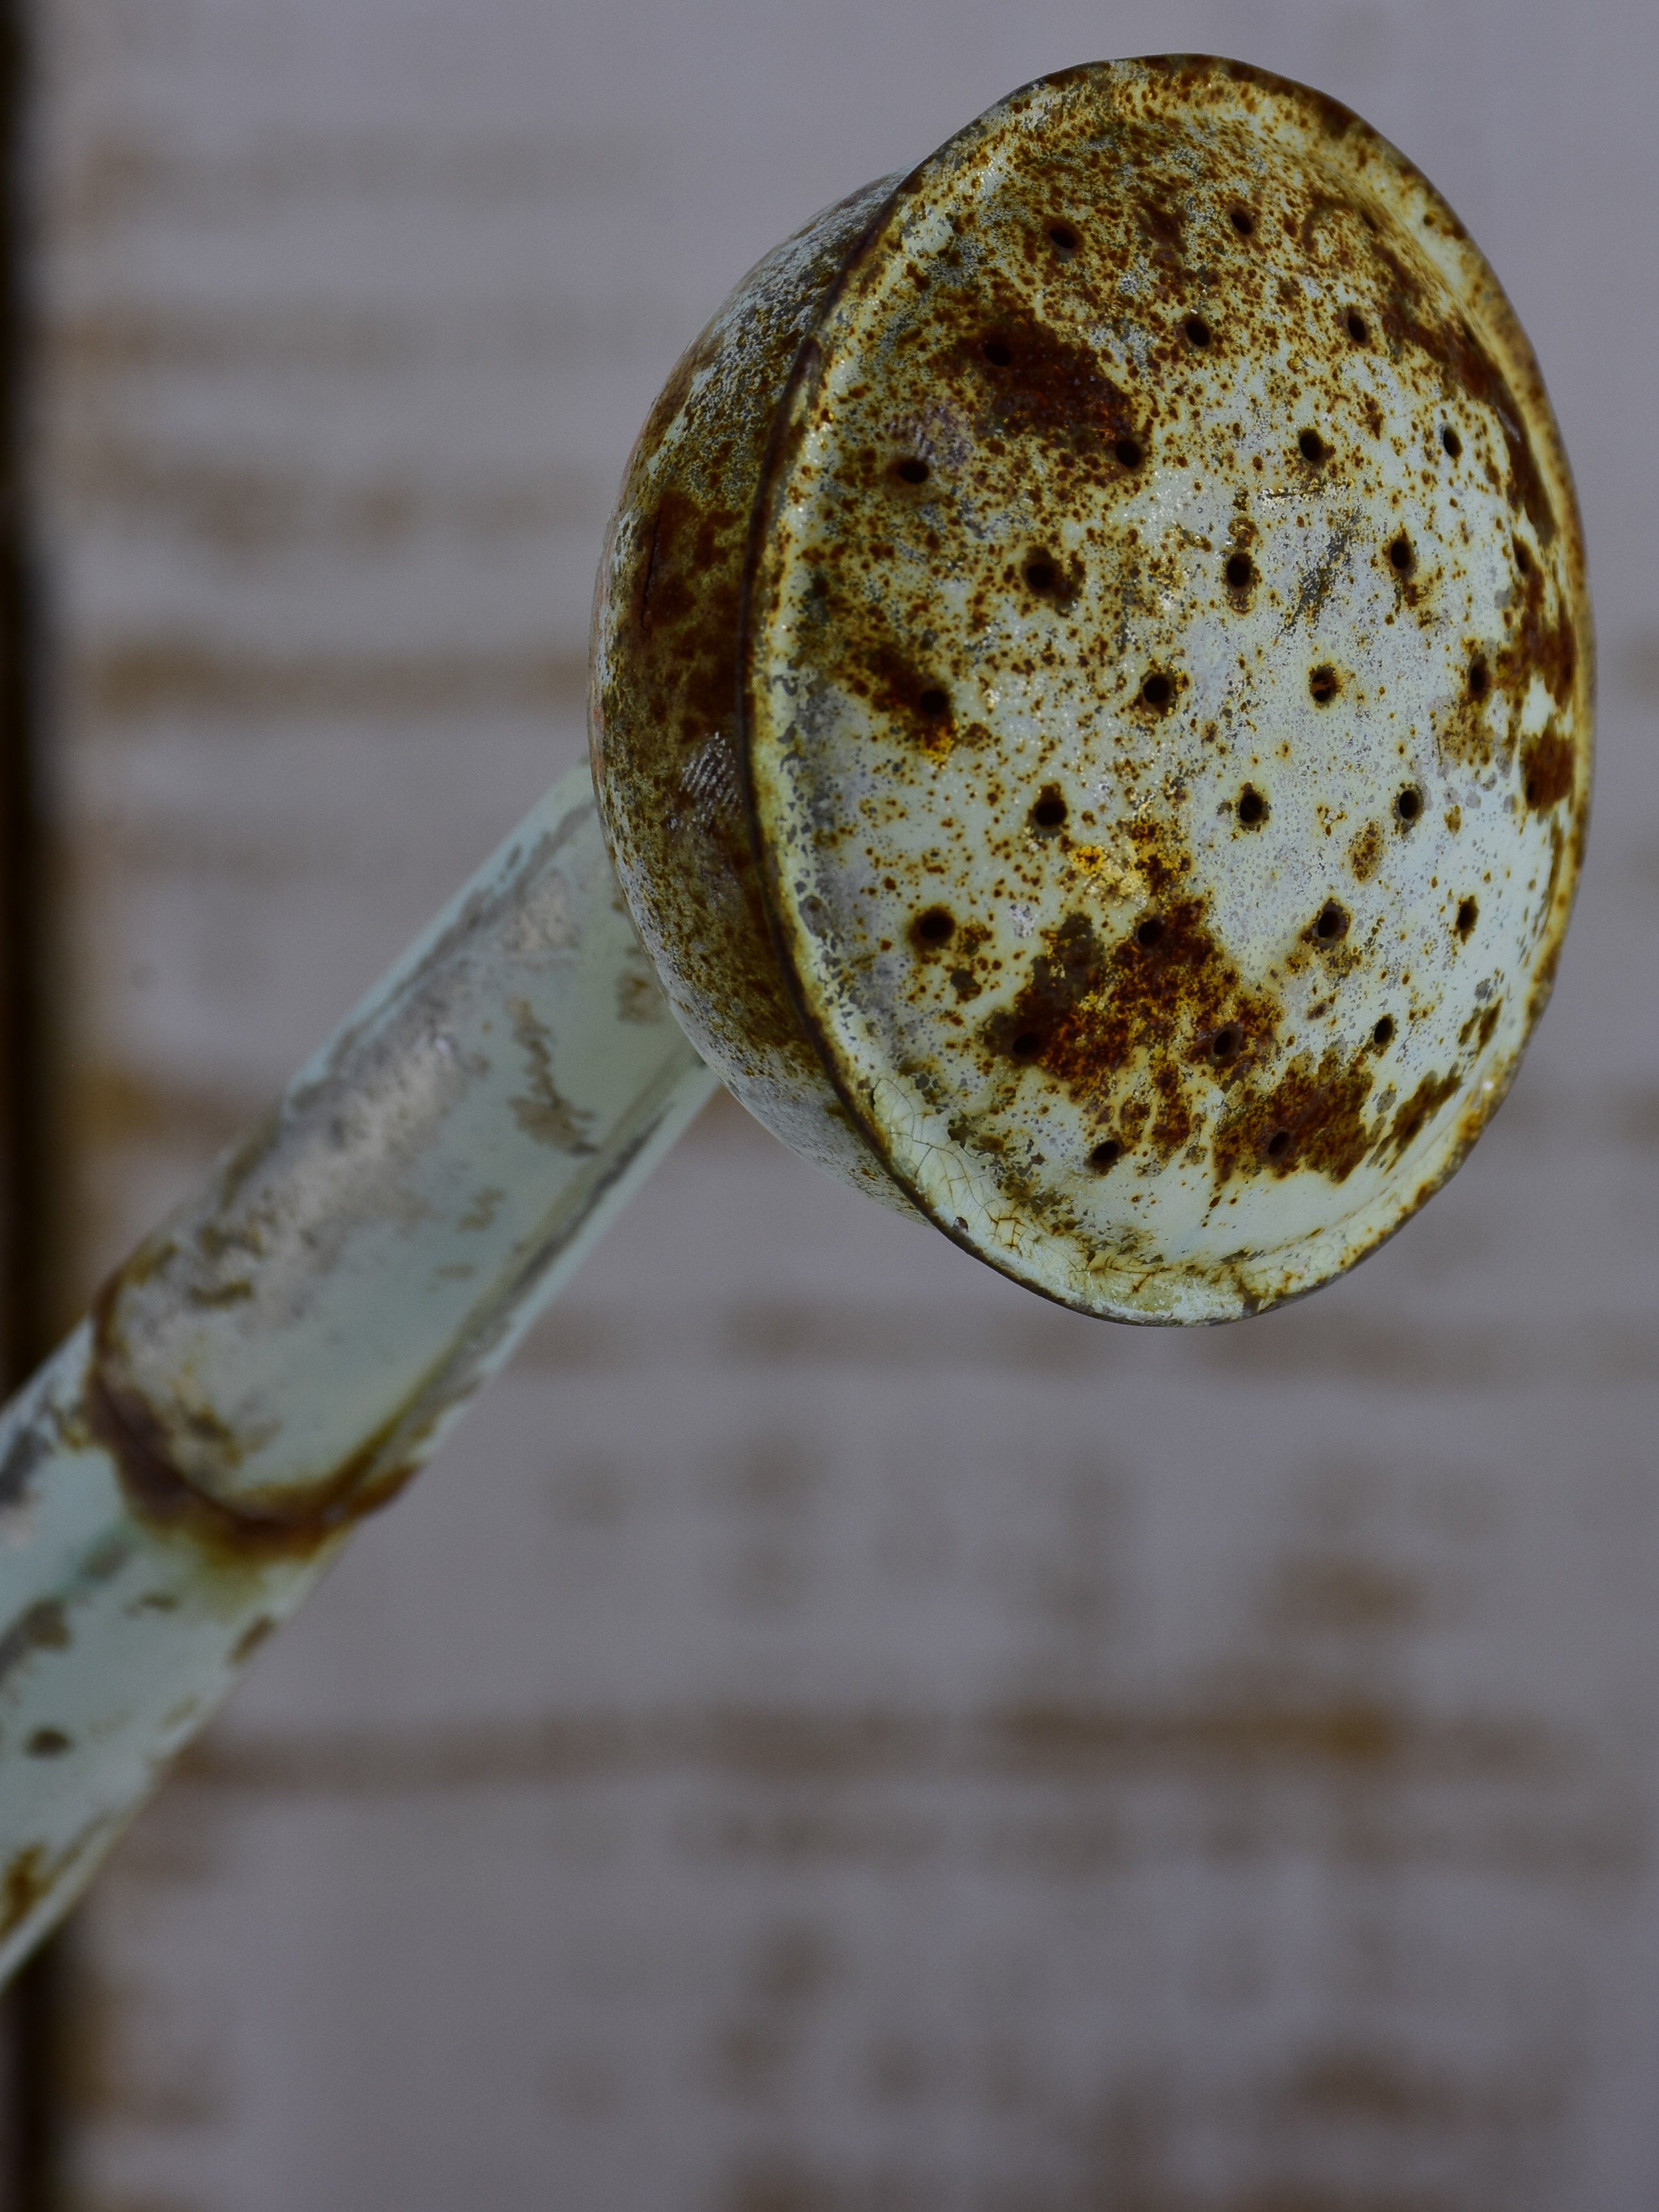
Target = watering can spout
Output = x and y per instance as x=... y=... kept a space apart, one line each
x=1092 y=727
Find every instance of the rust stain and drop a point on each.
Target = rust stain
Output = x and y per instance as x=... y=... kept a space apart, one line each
x=33 y=1872
x=1311 y=1118
x=1149 y=1033
x=26 y=1882
x=121 y=1419
x=1418 y=1110
x=1365 y=852
x=151 y=1437
x=28 y=1448
x=42 y=1627
x=1546 y=642
x=256 y=1633
x=1549 y=770
x=1466 y=365
x=543 y=1112
x=664 y=704
x=1040 y=384
x=896 y=687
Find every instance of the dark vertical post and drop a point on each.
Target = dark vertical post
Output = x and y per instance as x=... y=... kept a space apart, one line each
x=24 y=1330
x=30 y=2138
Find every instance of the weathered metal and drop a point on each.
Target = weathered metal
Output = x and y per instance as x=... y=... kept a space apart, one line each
x=1095 y=645
x=1092 y=711
x=295 y=1342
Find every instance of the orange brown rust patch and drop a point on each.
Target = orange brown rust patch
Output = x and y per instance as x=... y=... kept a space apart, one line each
x=35 y=1872
x=1480 y=1027
x=1466 y=367
x=1311 y=1118
x=911 y=696
x=1547 y=769
x=1039 y=384
x=664 y=706
x=42 y=1627
x=1543 y=644
x=135 y=1437
x=1365 y=852
x=1162 y=1007
x=258 y=1632
x=26 y=1882
x=1418 y=1110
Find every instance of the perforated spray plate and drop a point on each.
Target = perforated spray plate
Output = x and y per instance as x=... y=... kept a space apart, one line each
x=1167 y=688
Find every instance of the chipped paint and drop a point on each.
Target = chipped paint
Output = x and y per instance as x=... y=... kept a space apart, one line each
x=292 y=1341
x=1122 y=702
x=280 y=1356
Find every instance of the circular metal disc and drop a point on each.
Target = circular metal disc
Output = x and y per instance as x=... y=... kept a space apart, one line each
x=1168 y=689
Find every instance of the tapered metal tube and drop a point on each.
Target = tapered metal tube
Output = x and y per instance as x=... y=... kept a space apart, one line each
x=295 y=1342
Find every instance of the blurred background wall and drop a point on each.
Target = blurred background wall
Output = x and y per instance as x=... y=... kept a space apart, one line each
x=833 y=1734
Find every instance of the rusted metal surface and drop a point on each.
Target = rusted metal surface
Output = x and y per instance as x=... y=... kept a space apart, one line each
x=664 y=688
x=296 y=1339
x=392 y=1226
x=1161 y=733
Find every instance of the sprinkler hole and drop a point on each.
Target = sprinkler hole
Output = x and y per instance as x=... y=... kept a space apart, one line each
x=1105 y=1155
x=1450 y=440
x=998 y=353
x=1357 y=330
x=912 y=472
x=1323 y=685
x=1409 y=804
x=1198 y=331
x=1027 y=1045
x=1332 y=923
x=1278 y=1143
x=1150 y=934
x=934 y=703
x=1522 y=558
x=1240 y=571
x=1065 y=238
x=1479 y=678
x=1040 y=572
x=1225 y=1044
x=1468 y=915
x=1252 y=806
x=1157 y=691
x=937 y=926
x=1128 y=450
x=1383 y=1033
x=1401 y=557
x=1049 y=812
x=1242 y=221
x=1311 y=446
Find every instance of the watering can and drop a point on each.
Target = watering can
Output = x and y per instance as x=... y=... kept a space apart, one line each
x=1090 y=702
